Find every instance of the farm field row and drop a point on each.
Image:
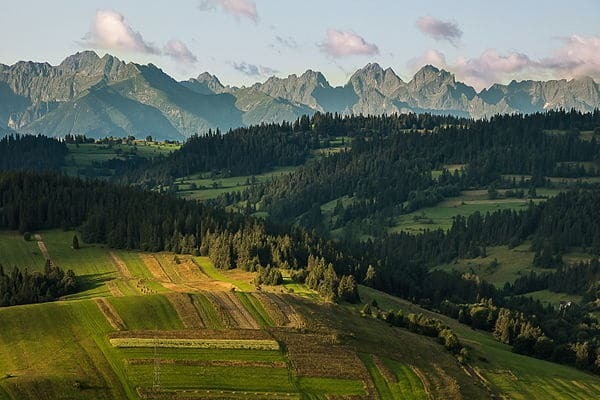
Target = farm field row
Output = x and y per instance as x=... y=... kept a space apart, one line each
x=181 y=313
x=511 y=375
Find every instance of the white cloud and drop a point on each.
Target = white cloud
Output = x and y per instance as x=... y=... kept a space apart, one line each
x=578 y=56
x=252 y=69
x=480 y=72
x=346 y=43
x=439 y=30
x=430 y=57
x=178 y=51
x=492 y=67
x=109 y=30
x=237 y=8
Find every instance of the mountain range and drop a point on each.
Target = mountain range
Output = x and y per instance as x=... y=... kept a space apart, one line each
x=103 y=96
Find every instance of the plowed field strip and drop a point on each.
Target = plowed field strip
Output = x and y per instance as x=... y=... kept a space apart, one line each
x=155 y=268
x=121 y=266
x=111 y=315
x=232 y=306
x=185 y=310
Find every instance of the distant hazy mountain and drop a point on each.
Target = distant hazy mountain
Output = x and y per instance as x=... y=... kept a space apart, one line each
x=96 y=96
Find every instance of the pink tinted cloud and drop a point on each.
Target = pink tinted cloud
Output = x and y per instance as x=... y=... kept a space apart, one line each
x=346 y=43
x=237 y=8
x=578 y=56
x=492 y=67
x=178 y=51
x=439 y=30
x=109 y=30
x=429 y=57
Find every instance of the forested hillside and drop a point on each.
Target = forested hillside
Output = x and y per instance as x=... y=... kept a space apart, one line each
x=31 y=153
x=129 y=218
x=393 y=166
x=389 y=169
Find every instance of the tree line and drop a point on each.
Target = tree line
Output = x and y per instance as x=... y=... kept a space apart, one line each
x=25 y=287
x=28 y=152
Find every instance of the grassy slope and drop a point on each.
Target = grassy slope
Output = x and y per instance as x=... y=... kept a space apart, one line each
x=153 y=313
x=15 y=251
x=514 y=375
x=548 y=297
x=225 y=276
x=469 y=202
x=512 y=263
x=85 y=154
x=49 y=347
x=209 y=188
x=91 y=263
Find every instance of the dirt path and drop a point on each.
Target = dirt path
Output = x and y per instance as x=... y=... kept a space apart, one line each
x=111 y=315
x=42 y=246
x=185 y=310
x=121 y=266
x=232 y=306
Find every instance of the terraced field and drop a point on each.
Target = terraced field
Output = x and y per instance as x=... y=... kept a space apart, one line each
x=173 y=327
x=507 y=374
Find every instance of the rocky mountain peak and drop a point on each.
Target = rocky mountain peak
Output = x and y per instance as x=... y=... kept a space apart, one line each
x=310 y=76
x=205 y=83
x=429 y=74
x=80 y=60
x=373 y=76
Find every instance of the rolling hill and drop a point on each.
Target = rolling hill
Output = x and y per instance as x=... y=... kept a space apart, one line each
x=161 y=325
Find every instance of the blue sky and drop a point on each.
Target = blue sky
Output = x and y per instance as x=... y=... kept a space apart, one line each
x=243 y=41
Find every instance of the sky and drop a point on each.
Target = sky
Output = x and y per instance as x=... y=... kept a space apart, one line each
x=245 y=41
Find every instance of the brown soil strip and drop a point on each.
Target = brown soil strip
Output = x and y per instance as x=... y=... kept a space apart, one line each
x=448 y=385
x=234 y=334
x=111 y=315
x=225 y=317
x=185 y=310
x=210 y=363
x=114 y=288
x=121 y=266
x=271 y=307
x=474 y=373
x=169 y=266
x=385 y=371
x=236 y=310
x=296 y=320
x=424 y=381
x=220 y=394
x=318 y=355
x=189 y=271
x=155 y=268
